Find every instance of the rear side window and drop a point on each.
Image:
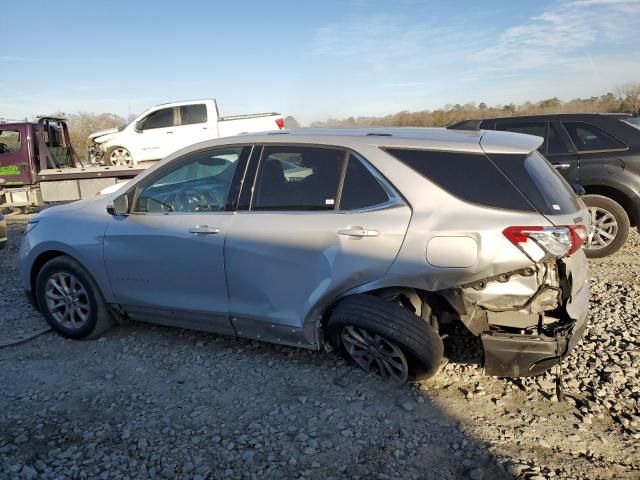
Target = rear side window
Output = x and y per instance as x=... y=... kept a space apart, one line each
x=361 y=189
x=298 y=178
x=159 y=119
x=539 y=182
x=471 y=177
x=588 y=137
x=191 y=114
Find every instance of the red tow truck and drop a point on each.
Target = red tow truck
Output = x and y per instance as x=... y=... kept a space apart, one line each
x=38 y=165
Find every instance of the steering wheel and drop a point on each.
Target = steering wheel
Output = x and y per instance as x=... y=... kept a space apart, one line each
x=4 y=148
x=188 y=199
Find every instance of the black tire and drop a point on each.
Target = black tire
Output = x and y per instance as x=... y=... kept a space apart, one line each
x=99 y=319
x=418 y=340
x=622 y=219
x=107 y=155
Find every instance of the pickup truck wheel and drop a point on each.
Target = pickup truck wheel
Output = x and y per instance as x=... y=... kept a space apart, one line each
x=71 y=300
x=385 y=339
x=118 y=156
x=609 y=226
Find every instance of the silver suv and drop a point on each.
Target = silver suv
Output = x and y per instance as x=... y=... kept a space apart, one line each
x=374 y=242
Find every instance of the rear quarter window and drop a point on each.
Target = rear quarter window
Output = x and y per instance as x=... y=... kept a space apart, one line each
x=539 y=182
x=470 y=177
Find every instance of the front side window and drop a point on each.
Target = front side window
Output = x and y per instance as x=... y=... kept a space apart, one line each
x=588 y=137
x=9 y=141
x=192 y=114
x=298 y=178
x=199 y=183
x=159 y=119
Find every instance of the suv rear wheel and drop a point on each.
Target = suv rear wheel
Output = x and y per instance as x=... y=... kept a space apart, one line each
x=385 y=339
x=609 y=226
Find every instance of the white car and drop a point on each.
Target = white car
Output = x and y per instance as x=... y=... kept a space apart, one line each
x=166 y=128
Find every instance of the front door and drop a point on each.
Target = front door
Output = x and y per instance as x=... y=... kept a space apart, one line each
x=156 y=139
x=306 y=239
x=14 y=156
x=165 y=260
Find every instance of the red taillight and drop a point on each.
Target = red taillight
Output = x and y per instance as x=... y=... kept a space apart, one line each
x=543 y=243
x=280 y=123
x=579 y=236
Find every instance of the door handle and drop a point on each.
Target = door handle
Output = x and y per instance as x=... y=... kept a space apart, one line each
x=358 y=232
x=562 y=166
x=169 y=132
x=204 y=230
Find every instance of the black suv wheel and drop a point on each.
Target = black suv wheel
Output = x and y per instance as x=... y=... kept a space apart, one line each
x=609 y=226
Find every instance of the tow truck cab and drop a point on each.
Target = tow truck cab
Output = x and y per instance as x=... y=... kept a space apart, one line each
x=38 y=165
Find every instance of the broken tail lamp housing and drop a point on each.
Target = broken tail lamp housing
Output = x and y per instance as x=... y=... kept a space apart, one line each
x=544 y=243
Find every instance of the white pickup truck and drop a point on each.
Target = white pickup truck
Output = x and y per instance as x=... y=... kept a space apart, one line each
x=165 y=128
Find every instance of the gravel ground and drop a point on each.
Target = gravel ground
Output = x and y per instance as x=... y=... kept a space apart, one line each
x=153 y=402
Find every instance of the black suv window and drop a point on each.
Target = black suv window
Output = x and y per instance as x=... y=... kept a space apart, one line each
x=190 y=114
x=159 y=119
x=539 y=129
x=298 y=178
x=361 y=189
x=588 y=137
x=471 y=177
x=555 y=143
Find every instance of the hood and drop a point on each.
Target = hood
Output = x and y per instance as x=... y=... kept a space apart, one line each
x=100 y=133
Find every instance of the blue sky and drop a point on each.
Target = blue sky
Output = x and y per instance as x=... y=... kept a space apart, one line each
x=311 y=59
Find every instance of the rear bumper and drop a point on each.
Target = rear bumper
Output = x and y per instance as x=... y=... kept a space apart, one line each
x=512 y=355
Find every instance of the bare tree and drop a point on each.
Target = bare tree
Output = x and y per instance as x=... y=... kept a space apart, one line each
x=629 y=96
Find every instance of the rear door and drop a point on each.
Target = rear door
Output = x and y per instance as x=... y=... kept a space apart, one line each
x=318 y=222
x=192 y=126
x=599 y=151
x=14 y=156
x=555 y=148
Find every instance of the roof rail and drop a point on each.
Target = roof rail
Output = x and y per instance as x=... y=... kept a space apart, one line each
x=379 y=134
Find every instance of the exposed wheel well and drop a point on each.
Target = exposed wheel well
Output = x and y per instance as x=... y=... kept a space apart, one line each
x=624 y=201
x=413 y=300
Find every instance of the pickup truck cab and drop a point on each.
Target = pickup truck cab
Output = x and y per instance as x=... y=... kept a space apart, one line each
x=166 y=128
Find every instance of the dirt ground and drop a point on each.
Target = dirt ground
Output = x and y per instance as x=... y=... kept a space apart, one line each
x=148 y=402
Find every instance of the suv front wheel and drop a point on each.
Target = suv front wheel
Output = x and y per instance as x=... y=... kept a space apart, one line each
x=609 y=226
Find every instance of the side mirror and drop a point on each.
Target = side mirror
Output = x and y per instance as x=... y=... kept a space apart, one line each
x=578 y=189
x=138 y=127
x=120 y=206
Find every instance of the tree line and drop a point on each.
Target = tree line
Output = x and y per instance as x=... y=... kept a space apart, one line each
x=626 y=98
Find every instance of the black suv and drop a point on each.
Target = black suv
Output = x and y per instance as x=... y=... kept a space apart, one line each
x=600 y=152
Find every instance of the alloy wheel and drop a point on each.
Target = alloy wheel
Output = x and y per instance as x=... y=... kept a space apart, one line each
x=604 y=228
x=67 y=300
x=375 y=354
x=120 y=156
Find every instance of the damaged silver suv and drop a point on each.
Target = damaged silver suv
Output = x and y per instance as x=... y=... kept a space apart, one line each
x=376 y=242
